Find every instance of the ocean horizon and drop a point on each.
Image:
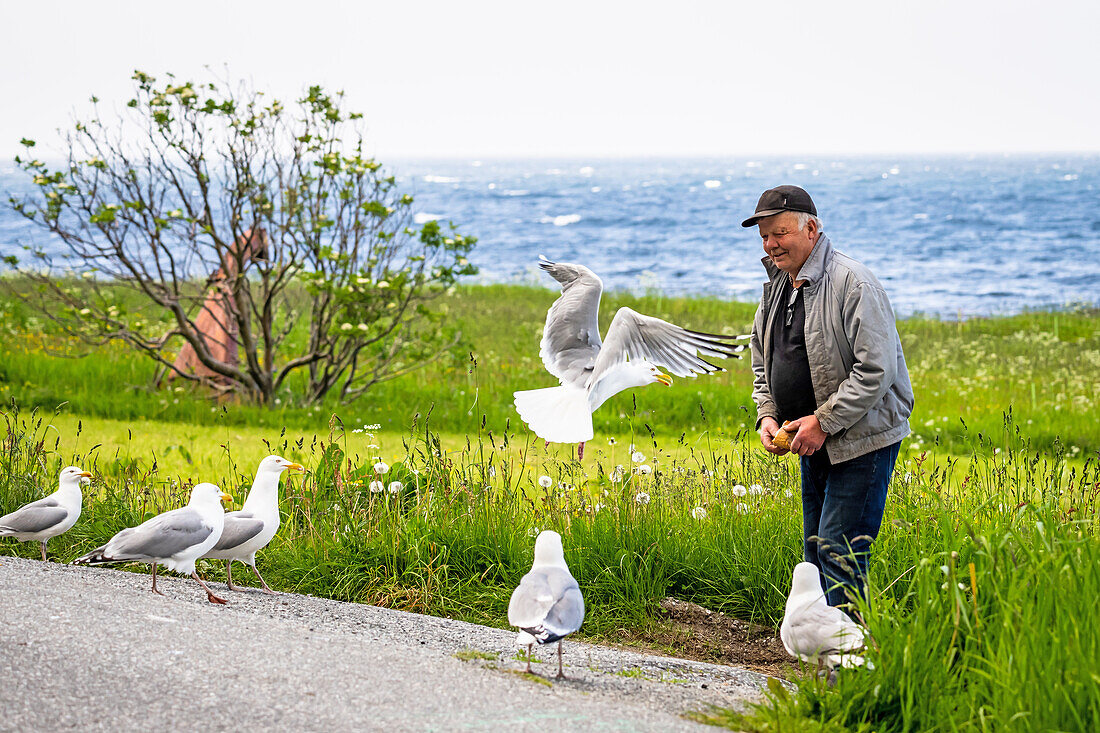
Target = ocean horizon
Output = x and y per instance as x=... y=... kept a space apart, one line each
x=947 y=235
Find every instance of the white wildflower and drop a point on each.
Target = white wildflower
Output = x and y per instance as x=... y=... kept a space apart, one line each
x=641 y=497
x=546 y=482
x=381 y=467
x=739 y=490
x=637 y=456
x=699 y=513
x=643 y=470
x=395 y=487
x=756 y=489
x=346 y=327
x=376 y=487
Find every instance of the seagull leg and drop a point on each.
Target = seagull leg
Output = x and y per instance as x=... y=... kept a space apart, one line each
x=229 y=576
x=154 y=566
x=580 y=451
x=44 y=550
x=209 y=593
x=267 y=588
x=530 y=651
x=561 y=675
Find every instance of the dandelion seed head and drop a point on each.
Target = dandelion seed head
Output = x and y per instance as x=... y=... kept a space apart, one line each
x=739 y=490
x=546 y=482
x=699 y=513
x=376 y=487
x=641 y=497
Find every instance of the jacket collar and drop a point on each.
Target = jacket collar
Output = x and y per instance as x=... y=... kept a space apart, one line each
x=813 y=269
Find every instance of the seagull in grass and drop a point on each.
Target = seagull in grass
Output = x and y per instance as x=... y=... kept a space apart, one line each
x=254 y=525
x=591 y=370
x=55 y=514
x=174 y=539
x=547 y=606
x=814 y=631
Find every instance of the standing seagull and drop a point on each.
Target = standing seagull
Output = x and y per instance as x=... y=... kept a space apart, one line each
x=547 y=606
x=591 y=371
x=252 y=527
x=55 y=514
x=813 y=630
x=175 y=539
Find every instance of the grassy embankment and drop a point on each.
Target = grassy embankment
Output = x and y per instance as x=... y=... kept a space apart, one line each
x=989 y=557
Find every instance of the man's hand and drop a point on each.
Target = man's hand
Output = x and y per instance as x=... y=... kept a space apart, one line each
x=768 y=428
x=808 y=435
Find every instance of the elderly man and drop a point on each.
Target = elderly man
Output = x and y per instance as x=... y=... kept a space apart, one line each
x=826 y=357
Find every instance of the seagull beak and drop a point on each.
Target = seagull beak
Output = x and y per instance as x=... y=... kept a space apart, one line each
x=85 y=474
x=226 y=498
x=297 y=467
x=664 y=379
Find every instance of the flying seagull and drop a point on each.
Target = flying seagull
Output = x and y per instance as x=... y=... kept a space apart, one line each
x=814 y=631
x=547 y=606
x=175 y=539
x=254 y=525
x=591 y=370
x=55 y=514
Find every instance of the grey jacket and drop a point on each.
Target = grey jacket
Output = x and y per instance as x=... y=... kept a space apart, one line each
x=857 y=367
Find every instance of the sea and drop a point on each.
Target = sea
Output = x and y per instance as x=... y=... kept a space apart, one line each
x=948 y=236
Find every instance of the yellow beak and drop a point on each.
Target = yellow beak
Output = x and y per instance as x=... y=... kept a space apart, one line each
x=296 y=467
x=226 y=497
x=664 y=379
x=85 y=474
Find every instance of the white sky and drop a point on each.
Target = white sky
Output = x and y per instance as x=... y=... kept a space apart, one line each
x=593 y=78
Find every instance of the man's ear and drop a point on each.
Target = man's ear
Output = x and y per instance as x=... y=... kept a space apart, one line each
x=812 y=229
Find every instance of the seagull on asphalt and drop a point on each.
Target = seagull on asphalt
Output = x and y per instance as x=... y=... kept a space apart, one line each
x=175 y=539
x=48 y=517
x=591 y=370
x=814 y=631
x=249 y=529
x=547 y=606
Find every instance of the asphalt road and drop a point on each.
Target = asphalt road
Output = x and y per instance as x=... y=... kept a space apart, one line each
x=93 y=649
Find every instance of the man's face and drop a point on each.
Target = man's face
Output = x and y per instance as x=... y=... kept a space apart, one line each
x=786 y=244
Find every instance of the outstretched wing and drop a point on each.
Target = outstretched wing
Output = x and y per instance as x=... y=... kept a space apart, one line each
x=635 y=336
x=571 y=337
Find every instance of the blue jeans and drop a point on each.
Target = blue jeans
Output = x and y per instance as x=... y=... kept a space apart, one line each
x=842 y=505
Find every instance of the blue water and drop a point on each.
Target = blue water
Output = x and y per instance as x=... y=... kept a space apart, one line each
x=946 y=235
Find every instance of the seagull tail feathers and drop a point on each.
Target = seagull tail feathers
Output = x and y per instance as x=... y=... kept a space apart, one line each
x=95 y=557
x=556 y=414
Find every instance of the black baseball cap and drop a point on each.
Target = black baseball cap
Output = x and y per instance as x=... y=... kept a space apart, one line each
x=779 y=199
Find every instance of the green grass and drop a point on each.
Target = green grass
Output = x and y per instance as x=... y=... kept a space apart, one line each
x=1044 y=365
x=1003 y=477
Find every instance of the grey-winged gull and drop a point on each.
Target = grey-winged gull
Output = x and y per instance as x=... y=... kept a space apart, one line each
x=254 y=525
x=50 y=516
x=175 y=539
x=814 y=631
x=547 y=606
x=591 y=370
